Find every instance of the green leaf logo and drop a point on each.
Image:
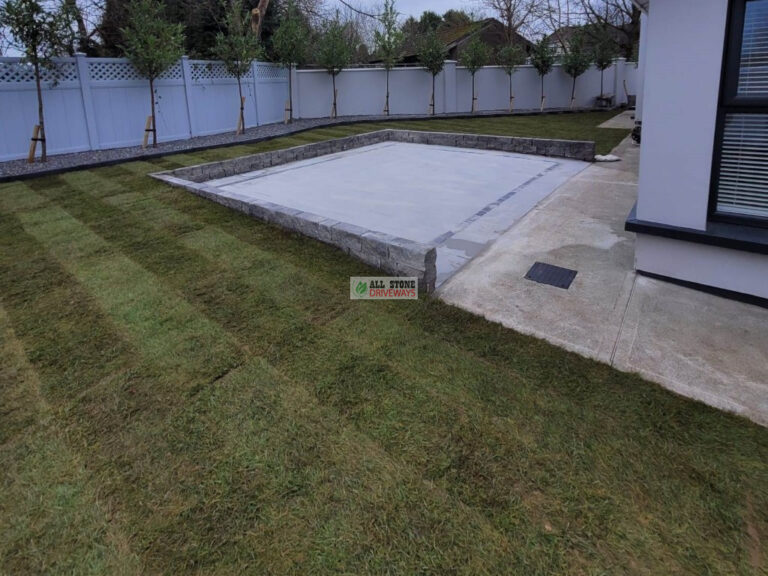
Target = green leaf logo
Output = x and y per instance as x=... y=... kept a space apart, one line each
x=361 y=288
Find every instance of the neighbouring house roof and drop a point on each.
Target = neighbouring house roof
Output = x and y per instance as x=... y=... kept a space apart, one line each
x=642 y=4
x=455 y=38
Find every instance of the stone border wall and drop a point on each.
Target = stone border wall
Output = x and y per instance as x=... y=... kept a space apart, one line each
x=572 y=149
x=396 y=256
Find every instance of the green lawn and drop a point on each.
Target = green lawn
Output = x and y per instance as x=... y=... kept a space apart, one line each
x=187 y=390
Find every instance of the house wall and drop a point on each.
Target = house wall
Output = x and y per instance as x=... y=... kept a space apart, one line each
x=684 y=53
x=641 y=59
x=743 y=272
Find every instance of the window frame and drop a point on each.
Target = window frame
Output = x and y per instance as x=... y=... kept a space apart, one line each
x=730 y=102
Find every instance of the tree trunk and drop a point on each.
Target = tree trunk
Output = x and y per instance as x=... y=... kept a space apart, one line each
x=601 y=83
x=473 y=94
x=82 y=29
x=511 y=94
x=154 y=119
x=241 y=122
x=433 y=95
x=334 y=110
x=386 y=103
x=573 y=91
x=542 y=92
x=290 y=93
x=41 y=116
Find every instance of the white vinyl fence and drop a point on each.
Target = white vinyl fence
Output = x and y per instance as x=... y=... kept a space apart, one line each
x=98 y=103
x=362 y=91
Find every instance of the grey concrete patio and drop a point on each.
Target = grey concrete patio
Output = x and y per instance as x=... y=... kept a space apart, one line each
x=702 y=346
x=454 y=198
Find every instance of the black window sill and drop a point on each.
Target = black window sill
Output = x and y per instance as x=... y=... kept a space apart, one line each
x=722 y=234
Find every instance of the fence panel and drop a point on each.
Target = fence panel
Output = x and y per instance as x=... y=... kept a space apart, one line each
x=66 y=128
x=96 y=103
x=272 y=89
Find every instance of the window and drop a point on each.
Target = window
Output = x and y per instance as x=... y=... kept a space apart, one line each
x=740 y=186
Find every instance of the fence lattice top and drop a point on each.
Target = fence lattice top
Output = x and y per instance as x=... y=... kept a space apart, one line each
x=110 y=70
x=271 y=72
x=203 y=70
x=17 y=72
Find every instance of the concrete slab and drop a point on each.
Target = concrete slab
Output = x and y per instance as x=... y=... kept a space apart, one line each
x=702 y=346
x=458 y=199
x=625 y=121
x=699 y=345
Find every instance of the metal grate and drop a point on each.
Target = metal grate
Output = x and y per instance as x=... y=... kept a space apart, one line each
x=551 y=275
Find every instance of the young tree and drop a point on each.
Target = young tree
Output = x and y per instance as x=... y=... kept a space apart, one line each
x=389 y=42
x=473 y=58
x=432 y=57
x=290 y=43
x=334 y=53
x=152 y=44
x=237 y=48
x=40 y=34
x=510 y=57
x=576 y=61
x=543 y=59
x=603 y=56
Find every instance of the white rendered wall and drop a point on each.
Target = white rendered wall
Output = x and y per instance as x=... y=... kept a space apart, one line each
x=641 y=59
x=684 y=52
x=361 y=91
x=743 y=272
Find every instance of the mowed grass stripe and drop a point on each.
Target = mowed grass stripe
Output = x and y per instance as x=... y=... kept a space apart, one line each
x=339 y=522
x=262 y=301
x=68 y=338
x=181 y=499
x=387 y=384
x=289 y=490
x=394 y=402
x=162 y=326
x=224 y=248
x=47 y=497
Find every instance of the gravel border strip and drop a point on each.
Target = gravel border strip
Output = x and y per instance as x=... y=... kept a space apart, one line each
x=21 y=170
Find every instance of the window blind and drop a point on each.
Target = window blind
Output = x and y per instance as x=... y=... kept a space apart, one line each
x=753 y=70
x=743 y=182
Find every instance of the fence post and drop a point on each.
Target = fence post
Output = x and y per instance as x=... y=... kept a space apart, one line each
x=255 y=79
x=449 y=87
x=186 y=73
x=84 y=76
x=620 y=65
x=294 y=84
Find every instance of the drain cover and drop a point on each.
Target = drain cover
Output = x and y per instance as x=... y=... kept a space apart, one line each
x=551 y=275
